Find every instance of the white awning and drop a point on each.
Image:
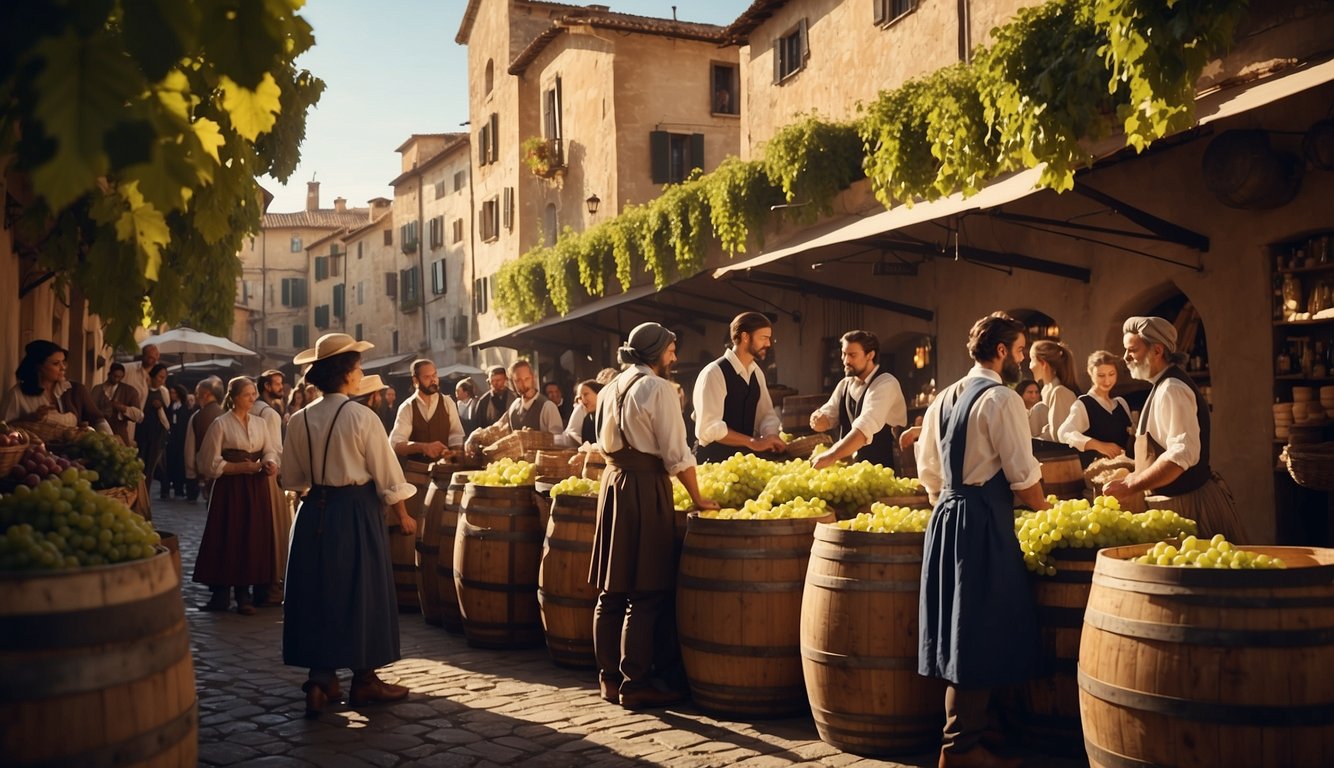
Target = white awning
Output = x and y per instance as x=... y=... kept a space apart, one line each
x=381 y=363
x=591 y=308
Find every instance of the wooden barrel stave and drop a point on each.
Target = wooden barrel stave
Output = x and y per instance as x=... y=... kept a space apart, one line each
x=435 y=552
x=564 y=595
x=403 y=548
x=1051 y=701
x=497 y=553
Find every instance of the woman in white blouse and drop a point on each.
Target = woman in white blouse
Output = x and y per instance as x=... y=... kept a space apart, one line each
x=1053 y=366
x=1099 y=425
x=237 y=548
x=581 y=428
x=339 y=610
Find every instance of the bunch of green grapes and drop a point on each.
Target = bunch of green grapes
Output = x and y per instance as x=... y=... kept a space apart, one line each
x=505 y=472
x=1076 y=523
x=732 y=481
x=850 y=486
x=575 y=486
x=884 y=518
x=64 y=523
x=116 y=464
x=1217 y=552
x=758 y=510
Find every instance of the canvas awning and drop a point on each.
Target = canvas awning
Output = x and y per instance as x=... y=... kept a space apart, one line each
x=587 y=310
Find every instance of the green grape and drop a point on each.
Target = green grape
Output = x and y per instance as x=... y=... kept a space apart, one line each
x=758 y=510
x=506 y=472
x=43 y=531
x=575 y=486
x=884 y=518
x=1078 y=523
x=1217 y=552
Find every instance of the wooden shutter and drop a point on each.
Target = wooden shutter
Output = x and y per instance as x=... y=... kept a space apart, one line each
x=339 y=300
x=697 y=151
x=878 y=10
x=659 y=150
x=507 y=208
x=287 y=292
x=391 y=284
x=494 y=151
x=778 y=59
x=805 y=44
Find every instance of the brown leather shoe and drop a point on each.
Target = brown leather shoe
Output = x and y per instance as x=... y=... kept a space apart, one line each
x=650 y=698
x=371 y=690
x=977 y=757
x=610 y=690
x=316 y=698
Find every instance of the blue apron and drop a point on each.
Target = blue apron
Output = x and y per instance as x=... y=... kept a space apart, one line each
x=977 y=619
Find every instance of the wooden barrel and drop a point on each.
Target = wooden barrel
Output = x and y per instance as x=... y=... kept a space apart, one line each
x=563 y=592
x=859 y=643
x=738 y=602
x=451 y=618
x=497 y=552
x=403 y=549
x=95 y=667
x=173 y=545
x=1209 y=667
x=438 y=601
x=1063 y=476
x=1051 y=700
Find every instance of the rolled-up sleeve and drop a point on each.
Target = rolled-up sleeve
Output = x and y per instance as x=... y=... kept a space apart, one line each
x=384 y=468
x=1007 y=426
x=1177 y=424
x=883 y=407
x=1075 y=425
x=671 y=430
x=710 y=391
x=402 y=424
x=830 y=410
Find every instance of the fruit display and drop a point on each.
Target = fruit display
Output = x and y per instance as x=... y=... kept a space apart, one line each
x=758 y=510
x=35 y=465
x=575 y=486
x=115 y=463
x=63 y=523
x=10 y=437
x=1077 y=523
x=1217 y=552
x=505 y=472
x=849 y=486
x=884 y=518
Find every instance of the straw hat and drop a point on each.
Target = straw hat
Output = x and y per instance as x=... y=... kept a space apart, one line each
x=331 y=344
x=369 y=384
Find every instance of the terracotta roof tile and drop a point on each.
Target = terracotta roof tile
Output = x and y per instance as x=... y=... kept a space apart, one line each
x=621 y=22
x=738 y=32
x=323 y=218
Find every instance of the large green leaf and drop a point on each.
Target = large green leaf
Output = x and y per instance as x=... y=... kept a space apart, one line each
x=159 y=33
x=242 y=38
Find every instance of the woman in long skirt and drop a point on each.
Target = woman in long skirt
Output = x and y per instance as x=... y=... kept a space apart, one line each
x=340 y=610
x=237 y=548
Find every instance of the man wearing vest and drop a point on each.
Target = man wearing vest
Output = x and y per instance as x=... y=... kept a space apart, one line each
x=865 y=406
x=492 y=405
x=428 y=423
x=530 y=410
x=208 y=396
x=733 y=412
x=120 y=403
x=1172 y=440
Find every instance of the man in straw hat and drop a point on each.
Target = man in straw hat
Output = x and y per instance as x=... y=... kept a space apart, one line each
x=1172 y=439
x=644 y=436
x=340 y=610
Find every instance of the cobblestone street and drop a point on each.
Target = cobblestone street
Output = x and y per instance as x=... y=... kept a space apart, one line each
x=468 y=707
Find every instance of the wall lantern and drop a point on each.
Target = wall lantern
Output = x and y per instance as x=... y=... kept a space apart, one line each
x=592 y=204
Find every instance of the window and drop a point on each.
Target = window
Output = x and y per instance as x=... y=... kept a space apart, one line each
x=551 y=115
x=410 y=296
x=549 y=223
x=300 y=336
x=321 y=268
x=243 y=291
x=458 y=231
x=359 y=244
x=725 y=99
x=488 y=220
x=361 y=293
x=389 y=237
x=441 y=327
x=439 y=189
x=409 y=234
x=335 y=261
x=322 y=316
x=438 y=285
x=394 y=342
x=437 y=230
x=479 y=297
x=489 y=77
x=460 y=180
x=488 y=141
x=507 y=208
x=339 y=301
x=889 y=11
x=294 y=292
x=674 y=155
x=296 y=243
x=358 y=334
x=271 y=337
x=391 y=284
x=790 y=52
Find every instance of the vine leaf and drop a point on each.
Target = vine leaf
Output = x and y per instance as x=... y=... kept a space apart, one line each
x=144 y=226
x=252 y=112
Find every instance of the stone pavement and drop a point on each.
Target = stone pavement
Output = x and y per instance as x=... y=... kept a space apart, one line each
x=468 y=708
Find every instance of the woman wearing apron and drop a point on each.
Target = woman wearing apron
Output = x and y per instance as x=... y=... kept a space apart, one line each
x=340 y=610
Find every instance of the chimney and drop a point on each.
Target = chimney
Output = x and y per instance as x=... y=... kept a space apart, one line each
x=312 y=195
x=379 y=205
x=340 y=204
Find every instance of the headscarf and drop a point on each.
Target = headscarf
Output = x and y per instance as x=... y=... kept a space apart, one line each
x=645 y=345
x=1154 y=330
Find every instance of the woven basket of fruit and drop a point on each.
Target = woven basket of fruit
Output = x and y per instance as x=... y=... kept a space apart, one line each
x=49 y=432
x=1311 y=466
x=12 y=446
x=803 y=447
x=555 y=463
x=126 y=496
x=536 y=440
x=508 y=447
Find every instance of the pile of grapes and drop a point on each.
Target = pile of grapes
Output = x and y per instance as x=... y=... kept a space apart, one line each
x=1075 y=523
x=886 y=519
x=758 y=510
x=63 y=523
x=575 y=486
x=1217 y=552
x=505 y=472
x=36 y=465
x=116 y=464
x=744 y=477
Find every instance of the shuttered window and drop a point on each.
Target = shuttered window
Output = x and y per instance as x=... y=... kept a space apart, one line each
x=674 y=155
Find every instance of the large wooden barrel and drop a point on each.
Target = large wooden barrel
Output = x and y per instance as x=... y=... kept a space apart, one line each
x=438 y=601
x=1063 y=476
x=173 y=545
x=95 y=667
x=738 y=603
x=497 y=551
x=1209 y=667
x=1051 y=700
x=859 y=643
x=563 y=592
x=402 y=548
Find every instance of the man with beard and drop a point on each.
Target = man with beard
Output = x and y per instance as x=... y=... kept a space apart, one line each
x=866 y=406
x=634 y=566
x=119 y=403
x=208 y=396
x=428 y=423
x=733 y=412
x=1172 y=439
x=977 y=619
x=530 y=409
x=492 y=405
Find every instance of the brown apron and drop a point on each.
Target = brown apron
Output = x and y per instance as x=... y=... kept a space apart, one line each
x=1211 y=505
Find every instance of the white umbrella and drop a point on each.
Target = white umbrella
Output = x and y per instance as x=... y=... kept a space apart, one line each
x=188 y=341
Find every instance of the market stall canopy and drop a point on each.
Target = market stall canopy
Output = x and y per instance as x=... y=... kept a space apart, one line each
x=383 y=363
x=509 y=335
x=216 y=365
x=188 y=341
x=459 y=369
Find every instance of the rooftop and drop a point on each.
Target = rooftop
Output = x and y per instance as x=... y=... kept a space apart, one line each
x=600 y=18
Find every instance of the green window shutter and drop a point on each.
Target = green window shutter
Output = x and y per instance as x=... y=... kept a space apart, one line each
x=287 y=292
x=338 y=295
x=659 y=157
x=697 y=150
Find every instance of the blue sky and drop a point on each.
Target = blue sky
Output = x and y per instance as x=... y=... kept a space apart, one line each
x=393 y=69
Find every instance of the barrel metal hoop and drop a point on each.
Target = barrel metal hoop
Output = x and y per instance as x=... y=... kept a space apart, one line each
x=838 y=554
x=527 y=511
x=1065 y=618
x=1217 y=599
x=565 y=545
x=405 y=567
x=92 y=626
x=718 y=585
x=1111 y=759
x=846 y=661
x=1065 y=577
x=444 y=569
x=491 y=586
x=751 y=651
x=842 y=584
x=931 y=720
x=491 y=534
x=751 y=694
x=427 y=549
x=1255 y=715
x=546 y=598
x=723 y=553
x=1175 y=633
x=65 y=673
x=137 y=749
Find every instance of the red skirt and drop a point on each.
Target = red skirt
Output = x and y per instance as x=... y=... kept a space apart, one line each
x=238 y=544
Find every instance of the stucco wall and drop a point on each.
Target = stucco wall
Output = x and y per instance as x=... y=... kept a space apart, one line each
x=367 y=303
x=455 y=301
x=266 y=259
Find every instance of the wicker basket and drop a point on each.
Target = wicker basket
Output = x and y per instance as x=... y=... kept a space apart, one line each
x=508 y=447
x=48 y=432
x=126 y=496
x=10 y=456
x=536 y=439
x=554 y=463
x=594 y=463
x=1311 y=466
x=803 y=447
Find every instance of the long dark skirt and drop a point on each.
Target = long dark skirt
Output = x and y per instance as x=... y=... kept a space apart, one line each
x=634 y=539
x=237 y=547
x=340 y=610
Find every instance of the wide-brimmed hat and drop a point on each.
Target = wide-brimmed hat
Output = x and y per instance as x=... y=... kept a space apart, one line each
x=369 y=384
x=331 y=344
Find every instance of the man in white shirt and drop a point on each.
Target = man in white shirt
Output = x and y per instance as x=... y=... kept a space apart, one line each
x=530 y=409
x=137 y=375
x=208 y=395
x=465 y=398
x=865 y=406
x=427 y=423
x=1172 y=439
x=733 y=412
